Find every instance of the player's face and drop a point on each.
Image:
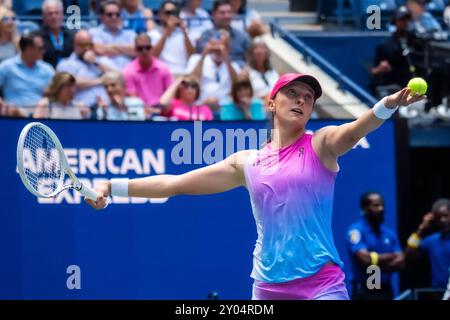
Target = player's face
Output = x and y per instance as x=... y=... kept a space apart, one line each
x=442 y=216
x=293 y=105
x=375 y=209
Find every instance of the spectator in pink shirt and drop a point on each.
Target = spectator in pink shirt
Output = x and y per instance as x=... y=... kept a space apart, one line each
x=146 y=77
x=179 y=101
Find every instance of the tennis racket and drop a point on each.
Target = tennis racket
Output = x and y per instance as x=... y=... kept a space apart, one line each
x=42 y=164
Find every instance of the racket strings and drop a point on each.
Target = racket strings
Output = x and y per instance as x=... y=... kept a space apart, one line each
x=42 y=166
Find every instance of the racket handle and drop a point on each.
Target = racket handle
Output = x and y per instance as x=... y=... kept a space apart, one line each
x=88 y=192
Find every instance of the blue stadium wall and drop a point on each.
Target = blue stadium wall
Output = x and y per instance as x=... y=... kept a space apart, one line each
x=183 y=248
x=352 y=53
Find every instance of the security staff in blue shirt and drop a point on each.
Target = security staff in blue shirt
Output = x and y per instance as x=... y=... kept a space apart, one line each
x=371 y=243
x=435 y=224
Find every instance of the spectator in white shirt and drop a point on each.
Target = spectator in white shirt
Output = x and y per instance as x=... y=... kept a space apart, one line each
x=216 y=72
x=171 y=40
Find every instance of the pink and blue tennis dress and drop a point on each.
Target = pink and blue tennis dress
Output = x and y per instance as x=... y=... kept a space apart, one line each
x=291 y=194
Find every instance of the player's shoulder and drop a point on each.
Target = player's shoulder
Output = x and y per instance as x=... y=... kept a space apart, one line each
x=245 y=154
x=240 y=158
x=324 y=130
x=320 y=135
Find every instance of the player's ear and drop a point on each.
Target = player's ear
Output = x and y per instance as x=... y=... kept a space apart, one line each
x=272 y=106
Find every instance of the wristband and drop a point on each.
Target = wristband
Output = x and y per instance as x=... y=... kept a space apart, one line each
x=414 y=240
x=119 y=187
x=374 y=258
x=381 y=112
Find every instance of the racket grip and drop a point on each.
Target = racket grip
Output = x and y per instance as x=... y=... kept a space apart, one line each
x=88 y=192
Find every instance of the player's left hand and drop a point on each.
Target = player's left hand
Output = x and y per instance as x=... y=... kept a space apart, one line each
x=402 y=98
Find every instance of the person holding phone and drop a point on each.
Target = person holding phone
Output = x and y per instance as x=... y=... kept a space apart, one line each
x=239 y=42
x=432 y=238
x=87 y=68
x=173 y=44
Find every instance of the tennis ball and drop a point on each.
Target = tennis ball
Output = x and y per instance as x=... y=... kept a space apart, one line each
x=418 y=85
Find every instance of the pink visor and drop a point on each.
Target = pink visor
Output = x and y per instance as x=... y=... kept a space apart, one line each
x=287 y=78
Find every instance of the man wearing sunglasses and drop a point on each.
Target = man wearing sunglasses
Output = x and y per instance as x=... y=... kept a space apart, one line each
x=110 y=38
x=172 y=42
x=147 y=77
x=87 y=68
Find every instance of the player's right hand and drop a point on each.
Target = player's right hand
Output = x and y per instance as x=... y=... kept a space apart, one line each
x=103 y=190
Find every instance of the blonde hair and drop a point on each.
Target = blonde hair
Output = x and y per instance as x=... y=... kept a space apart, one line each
x=113 y=76
x=60 y=79
x=14 y=38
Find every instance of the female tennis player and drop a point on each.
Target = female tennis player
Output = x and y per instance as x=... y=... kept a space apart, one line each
x=291 y=185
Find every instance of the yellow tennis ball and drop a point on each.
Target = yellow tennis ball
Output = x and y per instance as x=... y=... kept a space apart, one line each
x=418 y=85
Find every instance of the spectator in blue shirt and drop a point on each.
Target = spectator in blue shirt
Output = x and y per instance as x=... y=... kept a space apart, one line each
x=371 y=243
x=24 y=77
x=239 y=41
x=136 y=17
x=422 y=21
x=432 y=238
x=244 y=105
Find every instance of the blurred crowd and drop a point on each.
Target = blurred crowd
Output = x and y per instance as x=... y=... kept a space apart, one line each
x=401 y=56
x=128 y=62
x=371 y=243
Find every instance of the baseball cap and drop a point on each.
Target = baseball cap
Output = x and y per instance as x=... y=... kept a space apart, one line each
x=287 y=78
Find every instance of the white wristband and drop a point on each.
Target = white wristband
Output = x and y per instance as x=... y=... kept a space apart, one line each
x=119 y=187
x=381 y=112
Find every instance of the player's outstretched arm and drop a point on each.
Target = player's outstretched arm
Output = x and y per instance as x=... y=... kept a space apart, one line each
x=219 y=177
x=337 y=140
